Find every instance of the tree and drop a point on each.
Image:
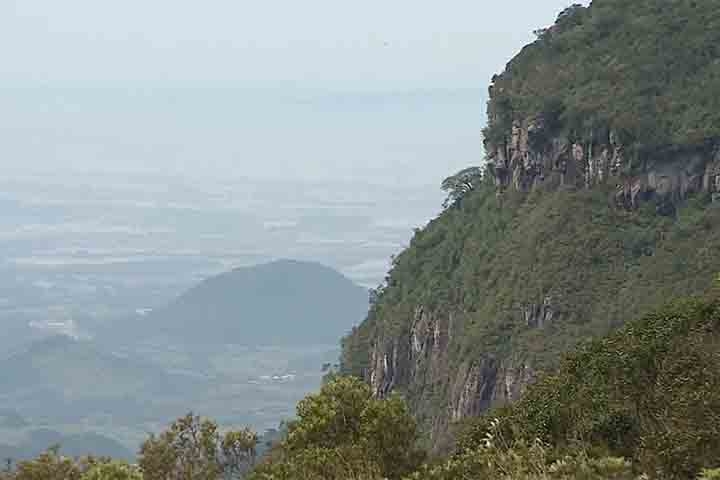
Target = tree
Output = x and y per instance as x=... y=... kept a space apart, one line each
x=460 y=184
x=50 y=465
x=238 y=450
x=344 y=432
x=113 y=470
x=193 y=449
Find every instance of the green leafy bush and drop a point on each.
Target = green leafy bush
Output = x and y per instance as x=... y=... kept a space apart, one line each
x=500 y=457
x=112 y=471
x=650 y=392
x=344 y=433
x=710 y=474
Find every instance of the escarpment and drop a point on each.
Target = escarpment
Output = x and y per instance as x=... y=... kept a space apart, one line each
x=493 y=291
x=663 y=175
x=599 y=202
x=616 y=94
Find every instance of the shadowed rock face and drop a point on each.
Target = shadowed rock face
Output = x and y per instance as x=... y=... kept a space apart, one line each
x=419 y=363
x=663 y=176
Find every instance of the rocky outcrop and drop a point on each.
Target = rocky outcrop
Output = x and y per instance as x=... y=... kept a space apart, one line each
x=418 y=362
x=482 y=384
x=528 y=160
x=384 y=368
x=538 y=314
x=419 y=359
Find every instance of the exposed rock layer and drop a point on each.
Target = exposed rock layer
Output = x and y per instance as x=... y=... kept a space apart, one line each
x=663 y=176
x=419 y=361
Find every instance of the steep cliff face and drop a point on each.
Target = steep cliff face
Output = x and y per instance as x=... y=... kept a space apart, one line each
x=490 y=294
x=663 y=176
x=419 y=363
x=599 y=202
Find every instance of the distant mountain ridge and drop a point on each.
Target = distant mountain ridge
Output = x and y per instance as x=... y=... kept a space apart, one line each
x=73 y=445
x=278 y=303
x=65 y=365
x=119 y=379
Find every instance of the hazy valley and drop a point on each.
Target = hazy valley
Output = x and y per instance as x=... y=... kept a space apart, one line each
x=98 y=260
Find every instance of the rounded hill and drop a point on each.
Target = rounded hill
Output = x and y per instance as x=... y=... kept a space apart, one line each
x=282 y=302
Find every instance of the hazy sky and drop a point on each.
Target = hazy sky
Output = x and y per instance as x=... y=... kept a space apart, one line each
x=369 y=44
x=377 y=90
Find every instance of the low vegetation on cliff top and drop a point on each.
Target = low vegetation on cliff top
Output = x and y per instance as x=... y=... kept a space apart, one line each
x=645 y=69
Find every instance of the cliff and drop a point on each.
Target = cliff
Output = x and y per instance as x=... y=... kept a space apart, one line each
x=619 y=93
x=598 y=203
x=663 y=176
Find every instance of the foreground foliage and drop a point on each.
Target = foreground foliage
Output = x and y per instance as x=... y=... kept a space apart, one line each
x=499 y=458
x=650 y=393
x=193 y=448
x=112 y=471
x=51 y=465
x=344 y=433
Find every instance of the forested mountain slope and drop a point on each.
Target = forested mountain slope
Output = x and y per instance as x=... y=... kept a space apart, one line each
x=596 y=205
x=647 y=396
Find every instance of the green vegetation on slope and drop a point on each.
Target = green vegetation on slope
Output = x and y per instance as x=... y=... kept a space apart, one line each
x=649 y=393
x=487 y=260
x=648 y=70
x=343 y=433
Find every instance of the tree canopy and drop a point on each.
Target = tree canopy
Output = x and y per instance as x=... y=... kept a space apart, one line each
x=193 y=448
x=460 y=184
x=648 y=70
x=343 y=432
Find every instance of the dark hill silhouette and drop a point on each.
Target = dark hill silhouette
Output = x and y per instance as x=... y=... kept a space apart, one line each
x=72 y=445
x=278 y=303
x=78 y=370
